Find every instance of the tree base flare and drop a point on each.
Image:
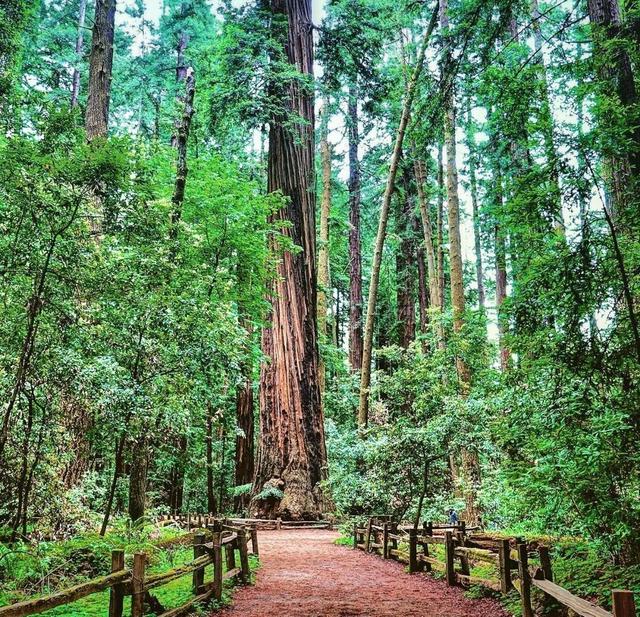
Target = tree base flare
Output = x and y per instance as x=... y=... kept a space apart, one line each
x=290 y=498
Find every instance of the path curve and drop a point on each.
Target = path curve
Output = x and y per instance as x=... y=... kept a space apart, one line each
x=304 y=574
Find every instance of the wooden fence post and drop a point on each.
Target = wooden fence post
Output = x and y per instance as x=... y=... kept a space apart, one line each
x=385 y=540
x=244 y=555
x=413 y=550
x=137 y=585
x=367 y=537
x=355 y=536
x=427 y=531
x=464 y=560
x=217 y=564
x=254 y=540
x=116 y=595
x=525 y=581
x=449 y=556
x=545 y=562
x=278 y=523
x=504 y=554
x=230 y=553
x=198 y=575
x=623 y=603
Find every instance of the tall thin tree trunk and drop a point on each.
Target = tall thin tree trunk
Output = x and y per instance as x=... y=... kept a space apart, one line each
x=211 y=495
x=292 y=451
x=100 y=69
x=244 y=452
x=367 y=350
x=117 y=470
x=405 y=273
x=500 y=248
x=440 y=236
x=470 y=462
x=323 y=252
x=423 y=282
x=182 y=139
x=138 y=478
x=453 y=212
x=427 y=232
x=75 y=82
x=547 y=124
x=473 y=190
x=355 y=245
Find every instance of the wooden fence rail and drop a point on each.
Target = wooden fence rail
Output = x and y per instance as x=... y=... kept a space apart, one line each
x=511 y=557
x=209 y=545
x=194 y=520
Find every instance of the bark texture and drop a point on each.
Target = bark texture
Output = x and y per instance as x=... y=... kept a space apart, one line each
x=292 y=456
x=100 y=69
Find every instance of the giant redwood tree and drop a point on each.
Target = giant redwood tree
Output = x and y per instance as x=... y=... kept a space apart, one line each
x=292 y=456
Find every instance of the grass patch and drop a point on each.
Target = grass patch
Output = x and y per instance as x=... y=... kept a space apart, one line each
x=70 y=562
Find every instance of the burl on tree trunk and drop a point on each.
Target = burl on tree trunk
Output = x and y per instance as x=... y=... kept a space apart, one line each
x=292 y=456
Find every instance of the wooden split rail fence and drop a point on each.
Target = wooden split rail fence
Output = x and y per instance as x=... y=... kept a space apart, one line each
x=211 y=545
x=513 y=557
x=191 y=520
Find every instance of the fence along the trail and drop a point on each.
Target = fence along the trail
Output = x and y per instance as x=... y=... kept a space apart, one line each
x=194 y=519
x=462 y=547
x=210 y=545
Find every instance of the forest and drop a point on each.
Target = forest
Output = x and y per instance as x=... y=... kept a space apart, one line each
x=320 y=261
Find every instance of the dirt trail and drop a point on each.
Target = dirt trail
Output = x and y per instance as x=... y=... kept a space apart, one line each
x=304 y=574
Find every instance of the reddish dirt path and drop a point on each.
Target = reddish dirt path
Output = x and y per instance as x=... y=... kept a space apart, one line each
x=304 y=574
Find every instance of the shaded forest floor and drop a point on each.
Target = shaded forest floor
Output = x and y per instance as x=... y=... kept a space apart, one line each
x=304 y=574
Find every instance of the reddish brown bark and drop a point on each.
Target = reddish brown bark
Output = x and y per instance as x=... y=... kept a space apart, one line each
x=292 y=455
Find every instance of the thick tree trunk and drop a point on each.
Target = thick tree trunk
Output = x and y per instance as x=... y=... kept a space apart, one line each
x=455 y=245
x=292 y=455
x=75 y=82
x=100 y=68
x=615 y=74
x=355 y=245
x=323 y=252
x=244 y=458
x=367 y=349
